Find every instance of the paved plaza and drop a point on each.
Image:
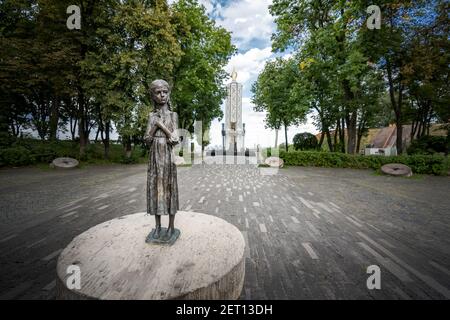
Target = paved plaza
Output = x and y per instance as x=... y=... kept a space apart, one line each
x=311 y=233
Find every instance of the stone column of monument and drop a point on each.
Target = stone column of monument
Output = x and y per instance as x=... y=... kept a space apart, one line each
x=234 y=132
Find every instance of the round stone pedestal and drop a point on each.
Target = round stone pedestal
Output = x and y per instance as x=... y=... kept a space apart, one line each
x=206 y=262
x=396 y=169
x=274 y=162
x=64 y=163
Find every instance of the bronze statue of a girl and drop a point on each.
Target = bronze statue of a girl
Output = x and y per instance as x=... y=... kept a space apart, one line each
x=162 y=188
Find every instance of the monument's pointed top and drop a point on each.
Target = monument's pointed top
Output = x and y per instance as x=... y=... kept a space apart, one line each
x=234 y=75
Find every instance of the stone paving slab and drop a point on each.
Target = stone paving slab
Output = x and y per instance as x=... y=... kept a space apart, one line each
x=311 y=232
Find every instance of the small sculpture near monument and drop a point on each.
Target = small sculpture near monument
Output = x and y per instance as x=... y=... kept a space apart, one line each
x=162 y=187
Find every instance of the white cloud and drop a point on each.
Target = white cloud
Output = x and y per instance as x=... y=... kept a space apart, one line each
x=248 y=20
x=208 y=5
x=249 y=64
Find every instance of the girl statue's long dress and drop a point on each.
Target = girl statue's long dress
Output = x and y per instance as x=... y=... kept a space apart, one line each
x=162 y=187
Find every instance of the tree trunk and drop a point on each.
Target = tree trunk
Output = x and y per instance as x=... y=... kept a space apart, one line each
x=398 y=118
x=330 y=143
x=54 y=118
x=81 y=134
x=40 y=118
x=351 y=133
x=276 y=138
x=82 y=102
x=429 y=117
x=128 y=146
x=414 y=125
x=419 y=130
x=106 y=139
x=96 y=135
x=358 y=142
x=73 y=126
x=396 y=106
x=15 y=128
x=322 y=121
x=342 y=137
x=399 y=142
x=82 y=124
x=322 y=137
x=360 y=132
x=336 y=135
x=285 y=135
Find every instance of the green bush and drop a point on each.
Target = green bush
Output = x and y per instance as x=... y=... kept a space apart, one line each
x=32 y=151
x=305 y=141
x=44 y=153
x=16 y=156
x=131 y=160
x=429 y=145
x=6 y=140
x=422 y=164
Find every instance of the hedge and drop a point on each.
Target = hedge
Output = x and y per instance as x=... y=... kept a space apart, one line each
x=429 y=145
x=16 y=157
x=422 y=164
x=25 y=152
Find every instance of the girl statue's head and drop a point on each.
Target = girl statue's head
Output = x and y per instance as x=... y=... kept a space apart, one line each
x=160 y=92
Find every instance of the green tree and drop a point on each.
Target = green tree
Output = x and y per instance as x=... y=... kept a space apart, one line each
x=131 y=52
x=305 y=141
x=99 y=76
x=426 y=80
x=272 y=93
x=337 y=81
x=199 y=76
x=410 y=30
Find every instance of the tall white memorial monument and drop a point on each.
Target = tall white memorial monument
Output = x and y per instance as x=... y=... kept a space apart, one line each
x=234 y=129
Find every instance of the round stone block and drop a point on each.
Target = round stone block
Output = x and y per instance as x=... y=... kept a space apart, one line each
x=64 y=163
x=114 y=261
x=274 y=162
x=397 y=169
x=179 y=161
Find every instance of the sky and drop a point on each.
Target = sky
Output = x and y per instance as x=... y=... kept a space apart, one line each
x=252 y=26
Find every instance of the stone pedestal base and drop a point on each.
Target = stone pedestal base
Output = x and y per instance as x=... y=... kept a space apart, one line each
x=206 y=262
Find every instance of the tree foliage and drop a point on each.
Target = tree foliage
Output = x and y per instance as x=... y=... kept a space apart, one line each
x=273 y=94
x=305 y=141
x=347 y=69
x=98 y=77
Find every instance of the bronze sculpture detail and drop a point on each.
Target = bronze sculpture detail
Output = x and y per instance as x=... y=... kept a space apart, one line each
x=162 y=187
